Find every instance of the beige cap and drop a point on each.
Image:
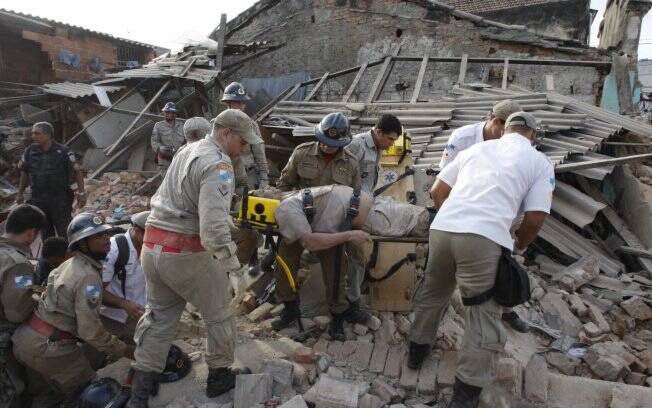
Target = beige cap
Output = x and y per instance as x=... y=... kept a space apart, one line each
x=505 y=108
x=139 y=219
x=521 y=119
x=196 y=123
x=240 y=123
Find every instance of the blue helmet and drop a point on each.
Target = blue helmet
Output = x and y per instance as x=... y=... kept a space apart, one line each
x=170 y=107
x=85 y=225
x=104 y=393
x=235 y=92
x=334 y=130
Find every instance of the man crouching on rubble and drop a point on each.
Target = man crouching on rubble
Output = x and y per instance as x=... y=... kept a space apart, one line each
x=188 y=256
x=479 y=195
x=316 y=219
x=68 y=310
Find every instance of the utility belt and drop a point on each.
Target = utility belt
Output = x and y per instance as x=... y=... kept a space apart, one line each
x=49 y=331
x=170 y=241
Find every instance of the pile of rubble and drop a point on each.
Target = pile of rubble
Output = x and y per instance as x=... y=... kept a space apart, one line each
x=117 y=195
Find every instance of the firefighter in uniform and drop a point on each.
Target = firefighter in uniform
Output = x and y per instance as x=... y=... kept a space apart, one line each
x=69 y=310
x=16 y=276
x=251 y=172
x=319 y=163
x=188 y=256
x=253 y=160
x=338 y=213
x=167 y=137
x=196 y=128
x=50 y=168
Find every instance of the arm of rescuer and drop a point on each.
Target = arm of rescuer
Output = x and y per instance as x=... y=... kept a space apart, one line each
x=215 y=192
x=89 y=326
x=134 y=310
x=443 y=186
x=289 y=178
x=156 y=139
x=535 y=205
x=15 y=294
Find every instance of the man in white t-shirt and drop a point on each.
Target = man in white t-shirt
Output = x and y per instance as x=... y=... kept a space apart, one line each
x=466 y=136
x=478 y=196
x=124 y=297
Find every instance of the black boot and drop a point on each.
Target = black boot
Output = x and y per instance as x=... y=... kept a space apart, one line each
x=356 y=315
x=516 y=322
x=220 y=380
x=416 y=354
x=465 y=395
x=288 y=316
x=336 y=327
x=143 y=385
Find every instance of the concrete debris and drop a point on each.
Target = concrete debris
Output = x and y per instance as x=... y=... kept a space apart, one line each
x=580 y=273
x=385 y=392
x=262 y=312
x=336 y=393
x=637 y=308
x=252 y=389
x=296 y=402
x=536 y=379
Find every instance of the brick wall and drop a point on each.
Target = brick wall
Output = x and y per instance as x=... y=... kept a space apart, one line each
x=329 y=35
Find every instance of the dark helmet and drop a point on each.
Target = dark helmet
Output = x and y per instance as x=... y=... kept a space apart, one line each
x=170 y=107
x=104 y=393
x=235 y=92
x=85 y=225
x=334 y=130
x=177 y=366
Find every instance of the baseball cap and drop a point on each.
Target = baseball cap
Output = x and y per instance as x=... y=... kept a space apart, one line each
x=240 y=123
x=139 y=219
x=521 y=119
x=505 y=108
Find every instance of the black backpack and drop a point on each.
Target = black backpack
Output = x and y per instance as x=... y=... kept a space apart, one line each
x=119 y=269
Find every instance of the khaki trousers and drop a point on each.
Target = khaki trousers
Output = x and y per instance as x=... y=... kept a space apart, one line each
x=291 y=254
x=62 y=364
x=469 y=261
x=172 y=280
x=355 y=276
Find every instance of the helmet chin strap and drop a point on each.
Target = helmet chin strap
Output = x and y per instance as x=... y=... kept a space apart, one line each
x=84 y=249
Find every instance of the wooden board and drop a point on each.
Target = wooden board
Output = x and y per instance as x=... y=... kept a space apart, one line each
x=395 y=293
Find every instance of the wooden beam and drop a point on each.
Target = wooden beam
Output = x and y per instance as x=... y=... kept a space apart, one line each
x=600 y=163
x=463 y=64
x=221 y=34
x=281 y=97
x=317 y=86
x=635 y=251
x=112 y=149
x=505 y=73
x=355 y=82
x=417 y=84
x=383 y=74
x=104 y=112
x=416 y=240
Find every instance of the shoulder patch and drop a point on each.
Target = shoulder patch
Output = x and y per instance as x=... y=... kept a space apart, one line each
x=22 y=282
x=92 y=294
x=551 y=180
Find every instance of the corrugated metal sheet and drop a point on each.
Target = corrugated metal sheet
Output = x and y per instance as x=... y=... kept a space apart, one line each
x=161 y=71
x=575 y=246
x=74 y=89
x=575 y=206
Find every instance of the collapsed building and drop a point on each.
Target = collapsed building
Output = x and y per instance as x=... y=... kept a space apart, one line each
x=437 y=66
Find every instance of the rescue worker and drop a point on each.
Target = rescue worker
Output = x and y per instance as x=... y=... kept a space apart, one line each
x=167 y=137
x=479 y=195
x=50 y=168
x=320 y=163
x=188 y=256
x=324 y=161
x=466 y=136
x=23 y=226
x=53 y=253
x=469 y=135
x=327 y=228
x=69 y=310
x=368 y=149
x=196 y=128
x=253 y=161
